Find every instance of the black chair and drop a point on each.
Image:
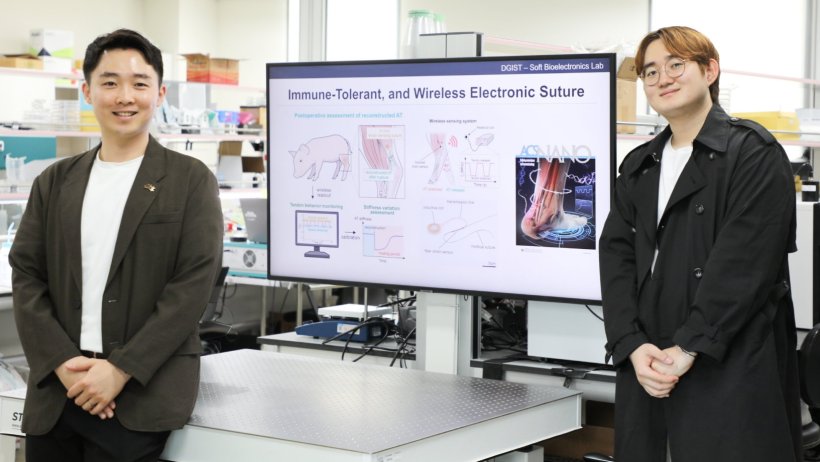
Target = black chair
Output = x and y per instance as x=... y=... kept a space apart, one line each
x=211 y=330
x=595 y=457
x=809 y=365
x=210 y=314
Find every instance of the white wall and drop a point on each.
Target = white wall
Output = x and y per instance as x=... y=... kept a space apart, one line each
x=254 y=31
x=352 y=26
x=751 y=36
x=87 y=18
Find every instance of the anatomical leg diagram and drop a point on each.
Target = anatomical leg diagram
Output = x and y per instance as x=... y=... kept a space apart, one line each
x=546 y=211
x=381 y=154
x=437 y=143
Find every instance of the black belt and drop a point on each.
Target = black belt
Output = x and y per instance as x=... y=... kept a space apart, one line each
x=93 y=354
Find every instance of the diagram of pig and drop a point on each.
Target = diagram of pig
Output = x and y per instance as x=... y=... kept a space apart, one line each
x=312 y=155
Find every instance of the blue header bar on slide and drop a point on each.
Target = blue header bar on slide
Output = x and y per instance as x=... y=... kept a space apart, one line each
x=472 y=66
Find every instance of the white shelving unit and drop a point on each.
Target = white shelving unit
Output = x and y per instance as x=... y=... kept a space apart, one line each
x=74 y=80
x=161 y=136
x=78 y=77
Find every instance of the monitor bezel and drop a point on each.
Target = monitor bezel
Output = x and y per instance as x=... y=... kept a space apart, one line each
x=611 y=57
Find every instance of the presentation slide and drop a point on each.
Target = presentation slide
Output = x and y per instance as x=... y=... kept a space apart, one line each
x=484 y=175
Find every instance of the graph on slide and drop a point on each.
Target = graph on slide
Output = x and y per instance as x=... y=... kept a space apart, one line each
x=479 y=169
x=383 y=241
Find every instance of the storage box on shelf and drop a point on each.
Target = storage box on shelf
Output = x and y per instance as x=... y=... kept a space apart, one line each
x=809 y=123
x=56 y=64
x=626 y=91
x=230 y=148
x=203 y=68
x=775 y=121
x=28 y=85
x=51 y=42
x=21 y=62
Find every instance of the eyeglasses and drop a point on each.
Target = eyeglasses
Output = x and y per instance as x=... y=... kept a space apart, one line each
x=673 y=68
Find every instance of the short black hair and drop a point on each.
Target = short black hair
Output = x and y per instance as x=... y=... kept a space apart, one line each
x=121 y=39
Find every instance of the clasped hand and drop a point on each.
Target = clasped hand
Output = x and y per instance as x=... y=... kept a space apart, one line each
x=92 y=384
x=658 y=371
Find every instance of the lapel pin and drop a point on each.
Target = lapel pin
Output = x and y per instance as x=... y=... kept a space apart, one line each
x=150 y=187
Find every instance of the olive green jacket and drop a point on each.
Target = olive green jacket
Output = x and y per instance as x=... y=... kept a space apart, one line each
x=165 y=260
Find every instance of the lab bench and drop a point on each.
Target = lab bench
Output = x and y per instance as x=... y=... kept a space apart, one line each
x=255 y=404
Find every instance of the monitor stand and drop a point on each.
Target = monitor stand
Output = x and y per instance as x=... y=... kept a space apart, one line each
x=316 y=253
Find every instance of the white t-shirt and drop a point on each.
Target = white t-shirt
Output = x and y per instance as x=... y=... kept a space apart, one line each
x=103 y=205
x=672 y=164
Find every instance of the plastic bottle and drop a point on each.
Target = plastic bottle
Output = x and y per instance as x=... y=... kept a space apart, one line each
x=440 y=26
x=418 y=23
x=14 y=168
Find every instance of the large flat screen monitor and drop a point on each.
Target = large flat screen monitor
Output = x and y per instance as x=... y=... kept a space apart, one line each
x=483 y=175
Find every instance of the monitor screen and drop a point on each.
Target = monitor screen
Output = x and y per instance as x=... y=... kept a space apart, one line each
x=486 y=176
x=317 y=229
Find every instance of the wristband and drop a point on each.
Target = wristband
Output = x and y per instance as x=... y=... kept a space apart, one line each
x=690 y=353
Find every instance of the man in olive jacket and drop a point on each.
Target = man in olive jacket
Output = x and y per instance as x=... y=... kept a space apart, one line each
x=113 y=264
x=694 y=271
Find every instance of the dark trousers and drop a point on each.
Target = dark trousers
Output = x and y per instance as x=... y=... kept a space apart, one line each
x=81 y=437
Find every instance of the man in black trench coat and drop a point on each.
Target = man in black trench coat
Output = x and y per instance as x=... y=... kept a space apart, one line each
x=694 y=271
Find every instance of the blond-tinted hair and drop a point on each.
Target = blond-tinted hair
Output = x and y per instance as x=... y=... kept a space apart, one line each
x=685 y=43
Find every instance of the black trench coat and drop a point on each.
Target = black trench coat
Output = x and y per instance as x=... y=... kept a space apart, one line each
x=720 y=287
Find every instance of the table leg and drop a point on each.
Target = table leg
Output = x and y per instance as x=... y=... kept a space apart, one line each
x=8 y=448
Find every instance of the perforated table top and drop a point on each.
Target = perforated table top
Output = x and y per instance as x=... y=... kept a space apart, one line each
x=349 y=406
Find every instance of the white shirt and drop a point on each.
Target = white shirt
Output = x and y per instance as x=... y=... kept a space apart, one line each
x=108 y=187
x=672 y=163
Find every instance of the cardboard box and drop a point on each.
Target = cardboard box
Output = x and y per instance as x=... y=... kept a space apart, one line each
x=597 y=434
x=203 y=68
x=627 y=70
x=575 y=444
x=626 y=92
x=230 y=148
x=253 y=164
x=49 y=42
x=21 y=62
x=775 y=120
